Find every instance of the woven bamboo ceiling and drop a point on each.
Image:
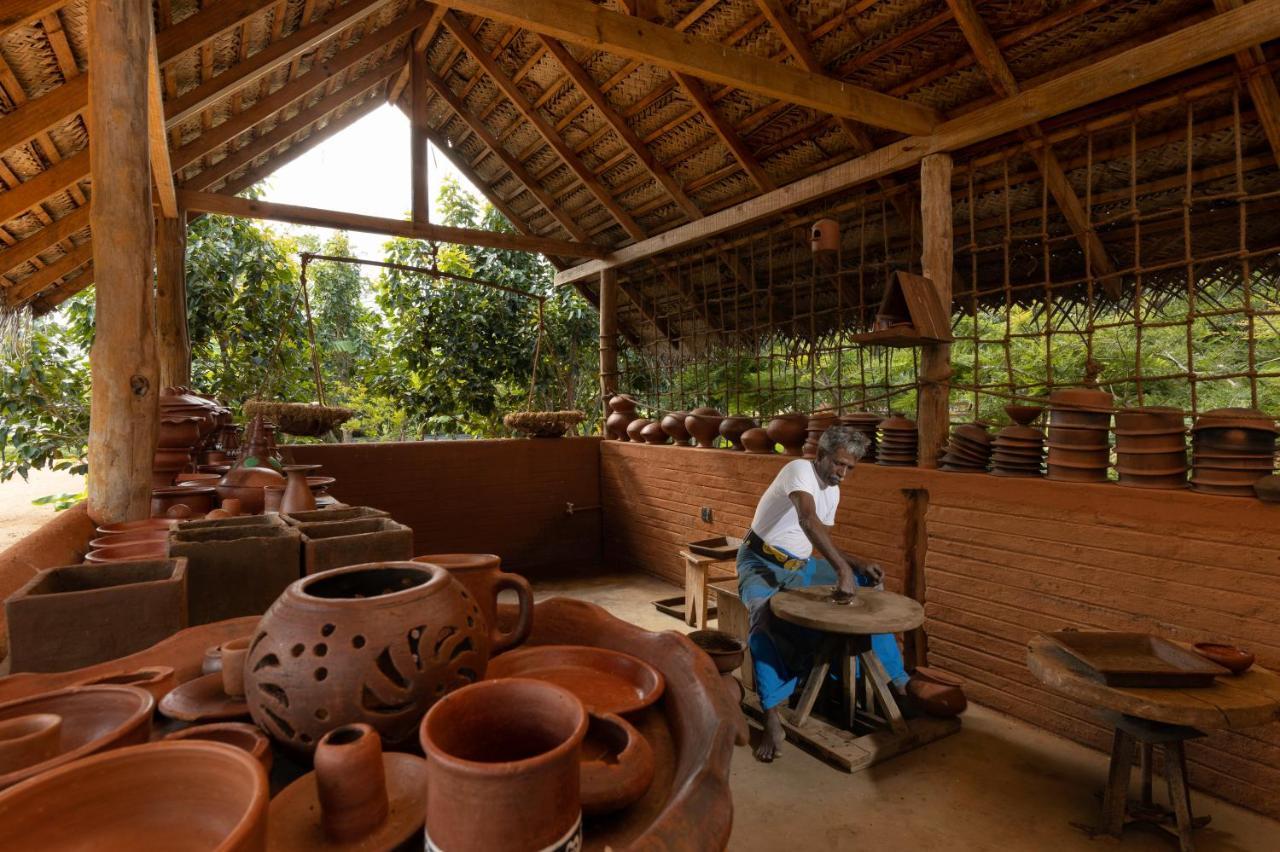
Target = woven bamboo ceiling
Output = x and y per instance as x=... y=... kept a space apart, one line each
x=592 y=145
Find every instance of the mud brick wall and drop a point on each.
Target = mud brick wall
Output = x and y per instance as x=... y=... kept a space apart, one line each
x=504 y=497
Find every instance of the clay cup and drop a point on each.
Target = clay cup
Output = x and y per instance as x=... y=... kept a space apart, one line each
x=483 y=577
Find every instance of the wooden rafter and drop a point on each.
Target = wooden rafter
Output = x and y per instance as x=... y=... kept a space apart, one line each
x=59 y=293
x=36 y=283
x=1260 y=82
x=421 y=42
x=44 y=239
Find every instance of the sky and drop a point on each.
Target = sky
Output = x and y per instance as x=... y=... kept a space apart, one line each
x=363 y=169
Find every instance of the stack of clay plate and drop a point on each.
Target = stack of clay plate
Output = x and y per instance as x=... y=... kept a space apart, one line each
x=1231 y=449
x=897 y=443
x=866 y=423
x=819 y=422
x=1079 y=427
x=969 y=450
x=1018 y=451
x=1151 y=447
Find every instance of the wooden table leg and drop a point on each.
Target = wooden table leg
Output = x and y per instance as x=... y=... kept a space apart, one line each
x=1175 y=773
x=879 y=680
x=827 y=653
x=848 y=686
x=1117 y=793
x=695 y=593
x=1145 y=762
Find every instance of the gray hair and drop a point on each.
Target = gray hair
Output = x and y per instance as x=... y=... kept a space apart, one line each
x=843 y=438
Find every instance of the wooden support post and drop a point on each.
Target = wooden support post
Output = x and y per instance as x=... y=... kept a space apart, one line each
x=915 y=547
x=126 y=376
x=608 y=338
x=419 y=96
x=171 y=301
x=935 y=360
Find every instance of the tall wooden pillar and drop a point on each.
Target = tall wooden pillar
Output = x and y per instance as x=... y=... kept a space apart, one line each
x=126 y=376
x=418 y=97
x=171 y=301
x=933 y=417
x=608 y=337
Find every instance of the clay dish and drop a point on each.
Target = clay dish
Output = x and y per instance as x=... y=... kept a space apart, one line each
x=974 y=432
x=133 y=526
x=248 y=738
x=1020 y=433
x=1023 y=415
x=724 y=649
x=1229 y=657
x=94 y=719
x=29 y=740
x=137 y=551
x=203 y=700
x=157 y=680
x=617 y=765
x=176 y=796
x=605 y=681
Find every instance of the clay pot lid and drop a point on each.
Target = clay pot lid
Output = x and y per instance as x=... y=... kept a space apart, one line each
x=248 y=738
x=617 y=765
x=132 y=526
x=1082 y=399
x=897 y=423
x=604 y=681
x=179 y=796
x=203 y=700
x=94 y=718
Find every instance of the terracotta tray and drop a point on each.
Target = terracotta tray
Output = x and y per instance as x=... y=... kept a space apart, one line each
x=1137 y=660
x=720 y=547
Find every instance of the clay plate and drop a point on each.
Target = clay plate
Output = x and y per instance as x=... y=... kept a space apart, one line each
x=203 y=700
x=617 y=765
x=605 y=681
x=248 y=738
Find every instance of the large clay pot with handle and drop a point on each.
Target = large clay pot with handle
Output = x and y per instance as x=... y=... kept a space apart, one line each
x=484 y=578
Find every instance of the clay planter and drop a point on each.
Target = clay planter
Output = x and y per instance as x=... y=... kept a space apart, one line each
x=199 y=498
x=176 y=796
x=338 y=543
x=732 y=428
x=243 y=736
x=789 y=431
x=73 y=616
x=704 y=425
x=349 y=513
x=503 y=768
x=246 y=484
x=673 y=425
x=94 y=719
x=484 y=579
x=236 y=569
x=29 y=740
x=724 y=649
x=376 y=643
x=617 y=765
x=653 y=433
x=1229 y=657
x=757 y=440
x=938 y=693
x=634 y=428
x=605 y=681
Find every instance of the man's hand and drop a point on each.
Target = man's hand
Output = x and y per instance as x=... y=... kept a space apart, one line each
x=845 y=583
x=872 y=572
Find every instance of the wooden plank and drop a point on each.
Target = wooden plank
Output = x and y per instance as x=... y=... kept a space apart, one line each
x=1258 y=78
x=59 y=294
x=227 y=205
x=44 y=113
x=21 y=13
x=44 y=239
x=421 y=42
x=588 y=25
x=158 y=139
x=21 y=198
x=1197 y=44
x=697 y=95
x=419 y=98
x=205 y=25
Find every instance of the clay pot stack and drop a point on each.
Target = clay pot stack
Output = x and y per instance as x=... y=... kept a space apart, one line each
x=704 y=425
x=819 y=423
x=1232 y=448
x=866 y=423
x=1151 y=447
x=898 y=442
x=732 y=428
x=789 y=431
x=622 y=411
x=969 y=450
x=1079 y=432
x=1018 y=450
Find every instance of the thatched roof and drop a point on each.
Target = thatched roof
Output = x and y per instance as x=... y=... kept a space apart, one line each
x=586 y=145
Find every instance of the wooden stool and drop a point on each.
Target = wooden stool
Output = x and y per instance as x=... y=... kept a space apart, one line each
x=696 y=569
x=734 y=620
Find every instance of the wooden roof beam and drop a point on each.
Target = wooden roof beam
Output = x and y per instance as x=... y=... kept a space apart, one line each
x=421 y=42
x=59 y=293
x=1262 y=86
x=40 y=280
x=1206 y=41
x=157 y=139
x=44 y=239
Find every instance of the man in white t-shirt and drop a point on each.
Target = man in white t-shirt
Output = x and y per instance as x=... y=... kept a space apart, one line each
x=792 y=520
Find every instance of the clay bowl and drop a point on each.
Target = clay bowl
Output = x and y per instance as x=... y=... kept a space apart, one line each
x=1230 y=657
x=199 y=498
x=29 y=740
x=724 y=649
x=1150 y=462
x=247 y=738
x=124 y=527
x=704 y=425
x=653 y=433
x=757 y=440
x=318 y=484
x=789 y=431
x=1023 y=415
x=137 y=550
x=1150 y=419
x=134 y=537
x=157 y=680
x=209 y=479
x=605 y=681
x=617 y=765
x=731 y=429
x=176 y=796
x=635 y=427
x=94 y=719
x=673 y=425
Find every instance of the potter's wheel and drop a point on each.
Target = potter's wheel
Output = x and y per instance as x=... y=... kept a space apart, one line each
x=604 y=681
x=294 y=820
x=203 y=700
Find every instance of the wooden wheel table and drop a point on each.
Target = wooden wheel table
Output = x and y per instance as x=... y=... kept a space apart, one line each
x=1149 y=717
x=870 y=726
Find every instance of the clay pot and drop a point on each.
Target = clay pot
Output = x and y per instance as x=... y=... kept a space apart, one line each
x=123 y=527
x=212 y=660
x=1268 y=489
x=484 y=579
x=272 y=499
x=622 y=403
x=319 y=484
x=198 y=498
x=157 y=680
x=245 y=737
x=1150 y=419
x=1082 y=398
x=208 y=479
x=731 y=429
x=1236 y=418
x=938 y=693
x=1023 y=415
x=178 y=433
x=233 y=656
x=789 y=431
x=1229 y=657
x=135 y=537
x=297 y=495
x=653 y=433
x=617 y=765
x=28 y=740
x=606 y=681
x=376 y=643
x=1151 y=462
x=704 y=425
x=616 y=425
x=724 y=649
x=757 y=440
x=134 y=552
x=176 y=796
x=503 y=768
x=634 y=428
x=673 y=425
x=246 y=483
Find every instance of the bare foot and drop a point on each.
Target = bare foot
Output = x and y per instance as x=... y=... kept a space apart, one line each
x=773 y=737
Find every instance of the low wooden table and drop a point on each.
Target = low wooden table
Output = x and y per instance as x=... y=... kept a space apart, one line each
x=695 y=611
x=1150 y=718
x=871 y=727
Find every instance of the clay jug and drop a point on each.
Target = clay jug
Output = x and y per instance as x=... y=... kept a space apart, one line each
x=673 y=425
x=789 y=431
x=376 y=643
x=484 y=578
x=757 y=440
x=704 y=425
x=731 y=429
x=298 y=496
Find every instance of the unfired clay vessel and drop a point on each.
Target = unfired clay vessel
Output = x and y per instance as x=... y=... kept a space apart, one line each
x=653 y=433
x=732 y=428
x=483 y=577
x=634 y=428
x=757 y=440
x=376 y=643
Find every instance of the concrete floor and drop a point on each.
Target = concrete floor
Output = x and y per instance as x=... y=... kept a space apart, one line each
x=998 y=784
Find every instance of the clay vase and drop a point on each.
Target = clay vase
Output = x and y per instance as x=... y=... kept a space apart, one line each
x=503 y=768
x=272 y=498
x=704 y=425
x=757 y=440
x=484 y=579
x=376 y=643
x=653 y=433
x=731 y=429
x=298 y=496
x=615 y=425
x=789 y=431
x=28 y=740
x=938 y=693
x=673 y=425
x=634 y=428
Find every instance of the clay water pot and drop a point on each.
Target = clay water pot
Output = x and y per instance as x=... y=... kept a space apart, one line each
x=622 y=403
x=732 y=428
x=634 y=428
x=673 y=425
x=28 y=740
x=704 y=425
x=503 y=768
x=376 y=643
x=1230 y=657
x=137 y=551
x=938 y=693
x=246 y=483
x=198 y=498
x=757 y=440
x=178 y=432
x=789 y=431
x=157 y=680
x=484 y=579
x=616 y=425
x=243 y=736
x=297 y=495
x=653 y=433
x=183 y=796
x=724 y=649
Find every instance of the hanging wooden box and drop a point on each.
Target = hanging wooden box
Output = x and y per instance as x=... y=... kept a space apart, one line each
x=913 y=299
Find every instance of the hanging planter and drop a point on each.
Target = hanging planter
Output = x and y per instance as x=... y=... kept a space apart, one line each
x=299 y=418
x=543 y=424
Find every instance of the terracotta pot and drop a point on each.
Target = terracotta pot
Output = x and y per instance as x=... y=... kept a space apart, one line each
x=198 y=498
x=732 y=428
x=1268 y=489
x=634 y=428
x=617 y=765
x=724 y=649
x=1150 y=419
x=704 y=425
x=135 y=537
x=616 y=425
x=272 y=499
x=29 y=740
x=503 y=768
x=606 y=681
x=297 y=495
x=178 y=432
x=243 y=736
x=789 y=431
x=246 y=483
x=176 y=796
x=653 y=433
x=1074 y=417
x=1152 y=462
x=757 y=440
x=1229 y=657
x=123 y=527
x=157 y=680
x=1082 y=398
x=376 y=643
x=484 y=579
x=137 y=551
x=673 y=425
x=622 y=403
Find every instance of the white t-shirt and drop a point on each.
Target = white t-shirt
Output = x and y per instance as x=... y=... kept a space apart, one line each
x=776 y=520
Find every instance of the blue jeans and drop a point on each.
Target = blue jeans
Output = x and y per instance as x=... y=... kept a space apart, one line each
x=780 y=651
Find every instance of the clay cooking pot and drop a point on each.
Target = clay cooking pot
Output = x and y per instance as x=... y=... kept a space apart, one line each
x=789 y=431
x=757 y=440
x=634 y=428
x=653 y=433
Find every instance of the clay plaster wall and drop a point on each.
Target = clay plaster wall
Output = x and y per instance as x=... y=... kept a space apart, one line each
x=997 y=561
